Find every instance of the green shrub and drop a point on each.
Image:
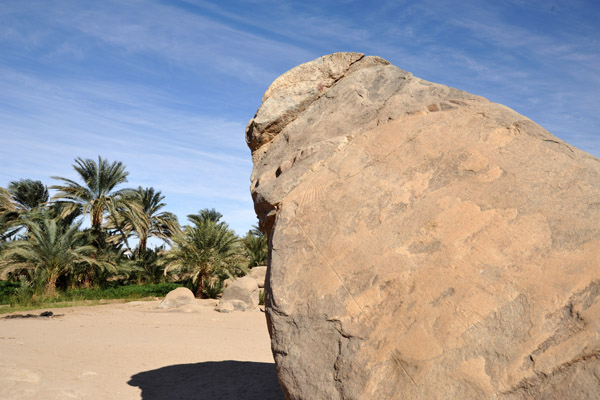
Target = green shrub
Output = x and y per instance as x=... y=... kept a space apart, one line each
x=23 y=293
x=7 y=290
x=120 y=292
x=212 y=289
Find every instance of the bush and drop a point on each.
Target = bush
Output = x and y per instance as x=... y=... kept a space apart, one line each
x=120 y=292
x=22 y=294
x=212 y=289
x=7 y=290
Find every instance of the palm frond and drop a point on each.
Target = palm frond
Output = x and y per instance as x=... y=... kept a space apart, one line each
x=98 y=193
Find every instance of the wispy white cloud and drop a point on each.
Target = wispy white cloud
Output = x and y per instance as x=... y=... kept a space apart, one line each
x=187 y=39
x=200 y=158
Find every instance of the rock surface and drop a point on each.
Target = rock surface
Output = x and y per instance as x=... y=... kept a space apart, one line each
x=258 y=274
x=227 y=306
x=425 y=243
x=240 y=294
x=177 y=298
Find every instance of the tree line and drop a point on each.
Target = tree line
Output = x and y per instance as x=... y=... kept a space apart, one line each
x=44 y=246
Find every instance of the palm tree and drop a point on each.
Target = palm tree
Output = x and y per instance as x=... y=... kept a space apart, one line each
x=255 y=245
x=145 y=220
x=205 y=215
x=28 y=194
x=150 y=267
x=9 y=214
x=206 y=249
x=97 y=196
x=18 y=202
x=50 y=250
x=114 y=259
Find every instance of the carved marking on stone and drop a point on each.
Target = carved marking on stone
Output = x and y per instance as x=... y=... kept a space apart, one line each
x=311 y=195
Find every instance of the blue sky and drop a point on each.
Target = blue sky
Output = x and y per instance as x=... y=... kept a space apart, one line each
x=167 y=87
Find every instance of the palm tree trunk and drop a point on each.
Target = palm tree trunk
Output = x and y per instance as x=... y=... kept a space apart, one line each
x=199 y=289
x=142 y=245
x=51 y=285
x=96 y=216
x=87 y=281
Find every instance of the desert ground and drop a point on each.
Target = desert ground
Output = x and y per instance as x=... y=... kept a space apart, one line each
x=136 y=351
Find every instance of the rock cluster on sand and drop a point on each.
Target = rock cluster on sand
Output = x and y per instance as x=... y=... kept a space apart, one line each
x=425 y=242
x=240 y=294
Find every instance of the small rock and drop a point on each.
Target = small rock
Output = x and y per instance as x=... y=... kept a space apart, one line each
x=228 y=306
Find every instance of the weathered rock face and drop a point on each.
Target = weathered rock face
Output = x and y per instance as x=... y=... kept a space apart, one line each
x=424 y=242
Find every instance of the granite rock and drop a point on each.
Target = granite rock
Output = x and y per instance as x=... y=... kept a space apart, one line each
x=424 y=242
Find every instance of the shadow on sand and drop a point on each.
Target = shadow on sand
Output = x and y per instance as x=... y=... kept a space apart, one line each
x=226 y=380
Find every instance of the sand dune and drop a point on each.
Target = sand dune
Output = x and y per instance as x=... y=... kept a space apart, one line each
x=134 y=351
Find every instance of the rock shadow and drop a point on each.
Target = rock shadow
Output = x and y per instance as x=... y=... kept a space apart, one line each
x=225 y=380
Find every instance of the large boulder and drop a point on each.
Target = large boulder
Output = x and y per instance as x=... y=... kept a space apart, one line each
x=425 y=243
x=258 y=274
x=240 y=294
x=177 y=298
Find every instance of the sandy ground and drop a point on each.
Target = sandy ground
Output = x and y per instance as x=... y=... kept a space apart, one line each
x=135 y=351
